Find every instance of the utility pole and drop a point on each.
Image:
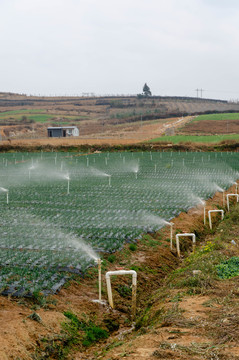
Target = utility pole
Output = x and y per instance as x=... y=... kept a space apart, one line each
x=199 y=90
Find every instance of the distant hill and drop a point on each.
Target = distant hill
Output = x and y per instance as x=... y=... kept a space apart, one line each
x=97 y=114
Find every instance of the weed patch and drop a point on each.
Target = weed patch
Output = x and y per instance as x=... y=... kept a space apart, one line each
x=228 y=268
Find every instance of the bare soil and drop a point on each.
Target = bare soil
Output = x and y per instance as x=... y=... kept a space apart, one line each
x=211 y=127
x=123 y=135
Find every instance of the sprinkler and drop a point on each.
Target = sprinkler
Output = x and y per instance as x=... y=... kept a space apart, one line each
x=203 y=203
x=109 y=176
x=236 y=185
x=68 y=184
x=6 y=191
x=136 y=175
x=29 y=172
x=171 y=235
x=87 y=162
x=99 y=261
x=218 y=188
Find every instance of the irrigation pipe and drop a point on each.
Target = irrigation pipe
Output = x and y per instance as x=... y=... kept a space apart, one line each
x=204 y=215
x=210 y=218
x=171 y=235
x=99 y=276
x=231 y=195
x=185 y=235
x=134 y=284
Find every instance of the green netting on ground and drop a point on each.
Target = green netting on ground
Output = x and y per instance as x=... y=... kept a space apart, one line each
x=61 y=206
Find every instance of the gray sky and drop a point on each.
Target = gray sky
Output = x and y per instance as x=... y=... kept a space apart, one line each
x=115 y=46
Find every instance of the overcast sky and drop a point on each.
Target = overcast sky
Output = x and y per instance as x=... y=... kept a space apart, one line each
x=115 y=46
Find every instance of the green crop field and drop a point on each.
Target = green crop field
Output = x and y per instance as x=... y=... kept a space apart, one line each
x=176 y=139
x=59 y=211
x=38 y=115
x=226 y=116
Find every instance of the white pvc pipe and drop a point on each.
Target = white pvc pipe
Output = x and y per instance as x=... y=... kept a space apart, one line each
x=204 y=215
x=185 y=235
x=7 y=198
x=235 y=183
x=99 y=277
x=210 y=218
x=231 y=195
x=109 y=180
x=134 y=284
x=68 y=186
x=171 y=235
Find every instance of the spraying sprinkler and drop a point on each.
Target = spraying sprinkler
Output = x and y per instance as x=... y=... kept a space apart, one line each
x=99 y=261
x=68 y=184
x=171 y=235
x=6 y=191
x=218 y=188
x=29 y=171
x=109 y=176
x=171 y=232
x=236 y=185
x=204 y=211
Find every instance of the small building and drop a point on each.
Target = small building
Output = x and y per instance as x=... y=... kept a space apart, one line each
x=62 y=131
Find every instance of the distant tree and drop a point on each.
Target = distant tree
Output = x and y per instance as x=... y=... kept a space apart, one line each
x=146 y=90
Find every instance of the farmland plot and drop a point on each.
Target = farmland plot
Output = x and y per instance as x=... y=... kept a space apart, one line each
x=59 y=211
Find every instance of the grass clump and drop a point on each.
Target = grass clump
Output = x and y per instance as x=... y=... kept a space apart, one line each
x=133 y=247
x=75 y=332
x=111 y=258
x=91 y=332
